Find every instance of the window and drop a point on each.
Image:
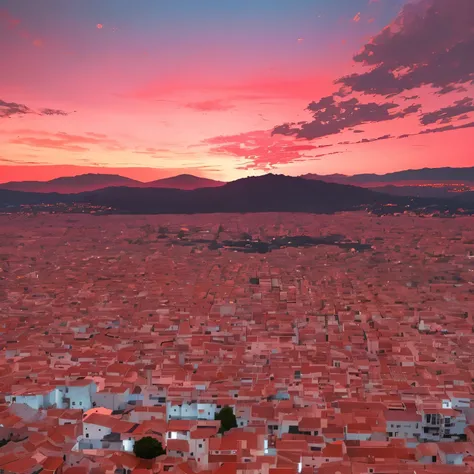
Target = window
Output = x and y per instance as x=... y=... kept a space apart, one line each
x=200 y=445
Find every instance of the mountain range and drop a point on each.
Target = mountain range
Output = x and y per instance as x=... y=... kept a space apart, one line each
x=425 y=175
x=266 y=193
x=279 y=193
x=92 y=182
x=427 y=182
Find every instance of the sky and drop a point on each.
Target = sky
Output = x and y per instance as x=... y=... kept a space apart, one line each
x=228 y=89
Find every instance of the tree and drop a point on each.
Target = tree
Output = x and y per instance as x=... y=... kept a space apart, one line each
x=227 y=418
x=148 y=448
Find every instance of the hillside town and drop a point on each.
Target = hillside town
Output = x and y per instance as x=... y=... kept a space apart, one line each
x=355 y=358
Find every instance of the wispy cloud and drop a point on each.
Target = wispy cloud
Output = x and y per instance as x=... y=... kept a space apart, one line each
x=65 y=141
x=262 y=151
x=10 y=109
x=210 y=106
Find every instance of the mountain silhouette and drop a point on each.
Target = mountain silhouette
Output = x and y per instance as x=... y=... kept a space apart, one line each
x=184 y=181
x=93 y=181
x=269 y=193
x=425 y=175
x=71 y=184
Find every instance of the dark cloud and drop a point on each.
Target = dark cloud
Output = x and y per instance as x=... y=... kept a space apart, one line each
x=367 y=140
x=370 y=140
x=53 y=112
x=430 y=43
x=446 y=114
x=451 y=88
x=331 y=117
x=22 y=162
x=446 y=128
x=9 y=109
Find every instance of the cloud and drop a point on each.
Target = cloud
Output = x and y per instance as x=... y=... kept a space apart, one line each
x=446 y=114
x=370 y=140
x=9 y=109
x=331 y=117
x=152 y=151
x=262 y=150
x=21 y=162
x=53 y=112
x=446 y=128
x=14 y=25
x=65 y=141
x=429 y=43
x=210 y=106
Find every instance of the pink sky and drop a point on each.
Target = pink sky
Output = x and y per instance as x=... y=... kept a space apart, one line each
x=163 y=91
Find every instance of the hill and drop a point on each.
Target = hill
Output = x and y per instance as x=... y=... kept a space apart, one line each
x=72 y=184
x=269 y=193
x=185 y=182
x=92 y=182
x=406 y=177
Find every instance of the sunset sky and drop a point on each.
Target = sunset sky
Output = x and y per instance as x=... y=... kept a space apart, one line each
x=230 y=88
